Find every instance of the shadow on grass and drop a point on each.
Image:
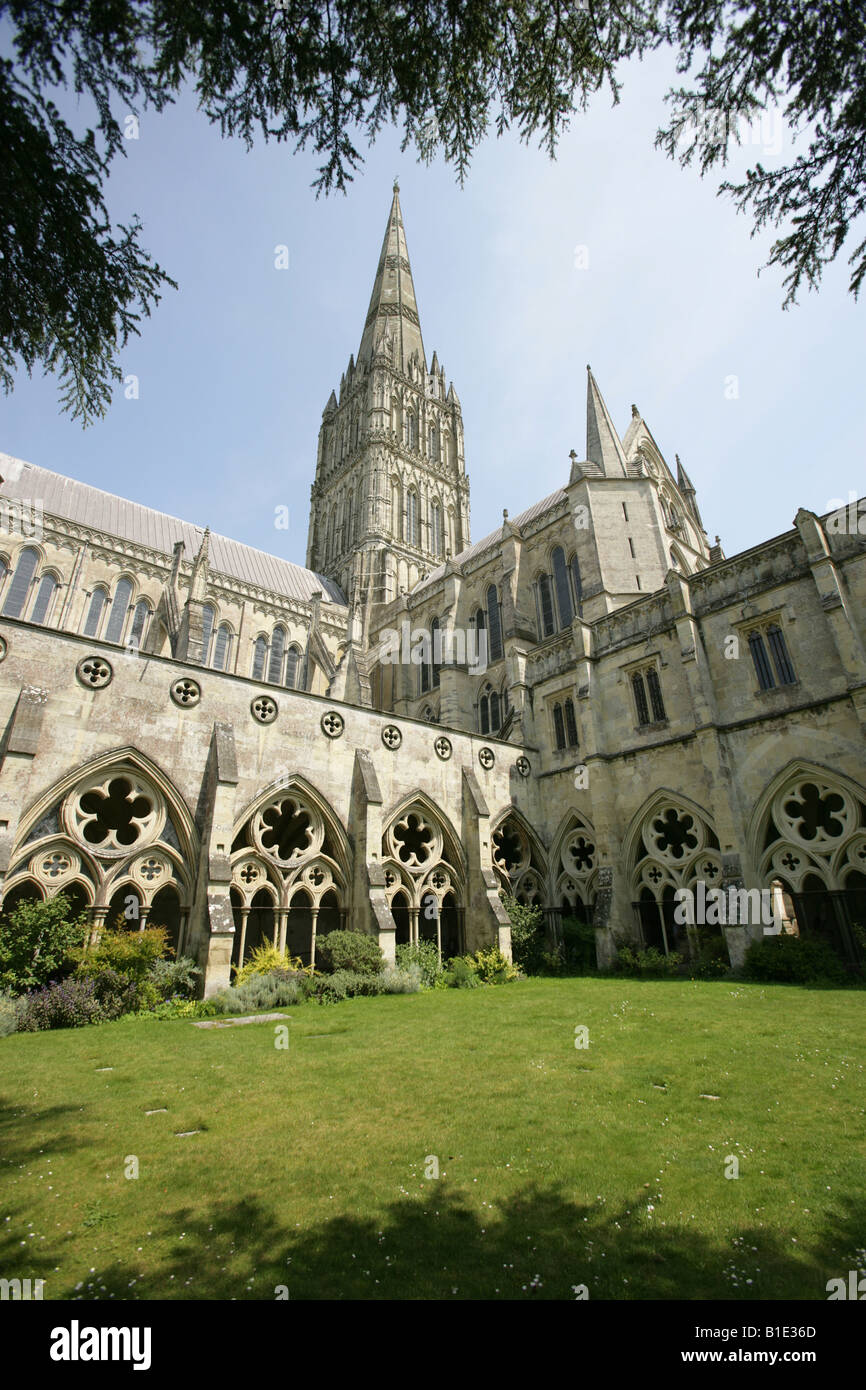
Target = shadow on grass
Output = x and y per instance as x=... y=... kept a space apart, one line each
x=538 y=1244
x=19 y=1149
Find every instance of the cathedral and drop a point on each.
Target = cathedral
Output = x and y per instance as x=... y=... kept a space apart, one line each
x=591 y=709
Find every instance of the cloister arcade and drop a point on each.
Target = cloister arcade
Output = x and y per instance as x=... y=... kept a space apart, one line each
x=117 y=841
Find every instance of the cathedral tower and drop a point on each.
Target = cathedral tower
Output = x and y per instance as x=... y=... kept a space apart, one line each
x=391 y=499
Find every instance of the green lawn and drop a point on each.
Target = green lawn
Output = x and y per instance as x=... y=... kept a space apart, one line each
x=559 y=1166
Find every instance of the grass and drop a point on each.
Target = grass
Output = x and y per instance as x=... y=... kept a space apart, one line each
x=558 y=1166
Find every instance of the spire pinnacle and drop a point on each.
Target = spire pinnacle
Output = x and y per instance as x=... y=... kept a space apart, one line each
x=393 y=310
x=603 y=445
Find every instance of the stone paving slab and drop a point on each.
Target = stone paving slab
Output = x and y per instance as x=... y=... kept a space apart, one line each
x=234 y=1022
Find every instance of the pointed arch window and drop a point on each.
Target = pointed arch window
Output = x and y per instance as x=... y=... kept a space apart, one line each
x=293 y=658
x=655 y=693
x=761 y=661
x=396 y=510
x=412 y=518
x=119 y=610
x=484 y=714
x=260 y=655
x=21 y=581
x=563 y=593
x=640 y=699
x=98 y=600
x=348 y=509
x=647 y=690
x=222 y=647
x=275 y=664
x=138 y=629
x=494 y=625
x=545 y=600
x=434 y=444
x=558 y=726
x=208 y=616
x=436 y=653
x=576 y=583
x=570 y=723
x=495 y=721
x=436 y=529
x=44 y=597
x=781 y=659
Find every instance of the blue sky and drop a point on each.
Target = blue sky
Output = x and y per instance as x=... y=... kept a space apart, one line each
x=235 y=368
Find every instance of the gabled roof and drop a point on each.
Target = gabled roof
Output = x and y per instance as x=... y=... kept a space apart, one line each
x=130 y=521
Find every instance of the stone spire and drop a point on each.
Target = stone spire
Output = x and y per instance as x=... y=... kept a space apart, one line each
x=393 y=311
x=686 y=487
x=603 y=445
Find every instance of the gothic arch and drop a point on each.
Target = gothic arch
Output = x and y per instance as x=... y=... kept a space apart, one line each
x=298 y=784
x=130 y=758
x=519 y=858
x=808 y=835
x=420 y=799
x=670 y=844
x=291 y=862
x=116 y=823
x=424 y=869
x=574 y=864
x=810 y=822
x=645 y=447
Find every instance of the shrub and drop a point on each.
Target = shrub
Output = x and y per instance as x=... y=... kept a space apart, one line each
x=424 y=955
x=578 y=939
x=268 y=959
x=182 y=1008
x=460 y=975
x=491 y=967
x=328 y=989
x=712 y=961
x=10 y=1008
x=646 y=964
x=257 y=993
x=349 y=950
x=68 y=1003
x=174 y=977
x=130 y=953
x=343 y=984
x=552 y=962
x=399 y=979
x=118 y=994
x=37 y=940
x=793 y=960
x=527 y=935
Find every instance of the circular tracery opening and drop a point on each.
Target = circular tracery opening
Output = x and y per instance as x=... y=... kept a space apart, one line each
x=286 y=830
x=115 y=815
x=414 y=840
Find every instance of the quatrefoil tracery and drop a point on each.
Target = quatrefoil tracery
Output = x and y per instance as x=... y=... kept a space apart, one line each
x=54 y=864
